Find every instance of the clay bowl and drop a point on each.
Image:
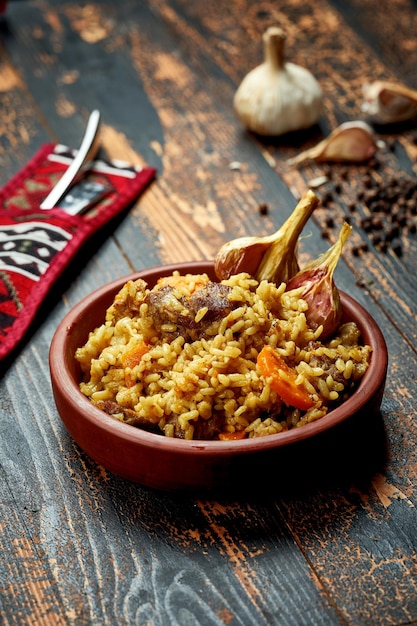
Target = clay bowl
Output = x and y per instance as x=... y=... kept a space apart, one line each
x=172 y=464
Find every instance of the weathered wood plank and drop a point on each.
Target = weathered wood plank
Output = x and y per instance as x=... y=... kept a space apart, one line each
x=335 y=541
x=389 y=31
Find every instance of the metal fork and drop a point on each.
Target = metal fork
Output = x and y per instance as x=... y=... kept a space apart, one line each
x=85 y=154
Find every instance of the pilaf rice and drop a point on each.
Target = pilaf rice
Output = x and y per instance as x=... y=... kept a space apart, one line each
x=190 y=370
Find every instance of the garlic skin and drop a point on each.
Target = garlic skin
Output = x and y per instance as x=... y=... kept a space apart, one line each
x=241 y=255
x=278 y=97
x=353 y=142
x=388 y=103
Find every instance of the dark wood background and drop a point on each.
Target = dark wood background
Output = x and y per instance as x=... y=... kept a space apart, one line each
x=332 y=538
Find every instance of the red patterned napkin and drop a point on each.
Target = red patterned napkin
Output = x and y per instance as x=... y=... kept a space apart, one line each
x=36 y=245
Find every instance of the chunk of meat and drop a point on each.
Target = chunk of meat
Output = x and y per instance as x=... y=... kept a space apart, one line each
x=214 y=297
x=210 y=428
x=167 y=306
x=129 y=416
x=204 y=429
x=329 y=368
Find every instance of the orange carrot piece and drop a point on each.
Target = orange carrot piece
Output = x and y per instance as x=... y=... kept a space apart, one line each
x=134 y=355
x=282 y=379
x=182 y=282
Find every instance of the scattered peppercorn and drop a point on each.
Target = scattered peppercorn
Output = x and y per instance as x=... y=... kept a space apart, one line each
x=367 y=182
x=397 y=248
x=377 y=223
x=326 y=198
x=383 y=206
x=383 y=246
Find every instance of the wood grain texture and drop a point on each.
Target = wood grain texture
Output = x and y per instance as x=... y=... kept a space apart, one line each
x=329 y=537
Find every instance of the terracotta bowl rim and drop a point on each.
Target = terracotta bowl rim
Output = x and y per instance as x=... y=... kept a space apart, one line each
x=78 y=403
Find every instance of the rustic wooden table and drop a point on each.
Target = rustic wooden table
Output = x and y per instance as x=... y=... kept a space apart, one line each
x=333 y=544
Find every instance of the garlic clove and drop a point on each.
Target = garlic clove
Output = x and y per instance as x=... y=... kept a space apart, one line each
x=269 y=258
x=353 y=142
x=388 y=103
x=277 y=97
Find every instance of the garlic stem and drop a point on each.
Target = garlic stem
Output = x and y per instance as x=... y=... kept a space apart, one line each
x=274 y=42
x=279 y=262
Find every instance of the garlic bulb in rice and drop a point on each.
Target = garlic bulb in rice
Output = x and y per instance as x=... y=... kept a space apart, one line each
x=269 y=258
x=319 y=289
x=277 y=97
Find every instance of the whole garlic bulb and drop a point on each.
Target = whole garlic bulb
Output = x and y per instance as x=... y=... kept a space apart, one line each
x=277 y=96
